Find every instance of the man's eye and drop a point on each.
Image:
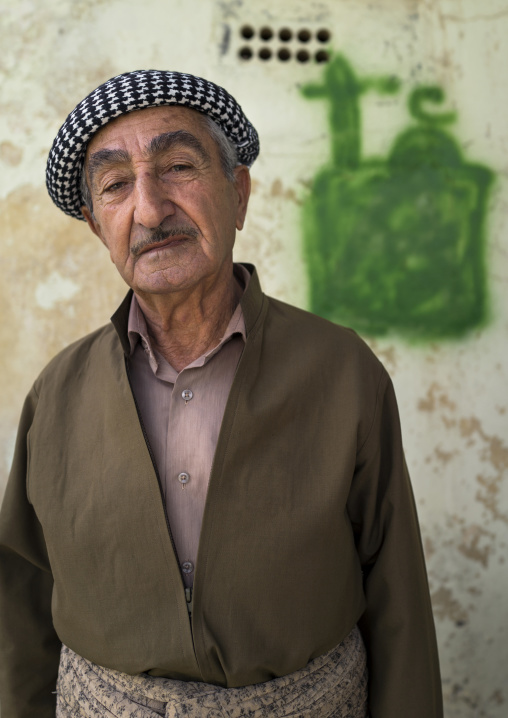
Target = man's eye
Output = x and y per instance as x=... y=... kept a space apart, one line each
x=180 y=168
x=114 y=187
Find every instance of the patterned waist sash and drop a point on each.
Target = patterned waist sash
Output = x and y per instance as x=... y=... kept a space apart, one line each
x=333 y=685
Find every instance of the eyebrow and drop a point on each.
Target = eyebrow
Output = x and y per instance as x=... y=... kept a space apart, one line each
x=167 y=140
x=105 y=158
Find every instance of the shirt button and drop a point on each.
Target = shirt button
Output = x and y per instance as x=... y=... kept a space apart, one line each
x=187 y=395
x=183 y=477
x=187 y=567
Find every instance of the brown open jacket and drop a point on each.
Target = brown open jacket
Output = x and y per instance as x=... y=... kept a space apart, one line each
x=309 y=526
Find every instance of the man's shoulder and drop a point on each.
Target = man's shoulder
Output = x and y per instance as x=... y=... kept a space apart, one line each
x=81 y=356
x=303 y=331
x=301 y=318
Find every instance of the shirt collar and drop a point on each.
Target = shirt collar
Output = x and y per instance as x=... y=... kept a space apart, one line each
x=252 y=302
x=137 y=330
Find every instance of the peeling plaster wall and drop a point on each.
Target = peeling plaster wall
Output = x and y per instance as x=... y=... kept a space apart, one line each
x=58 y=283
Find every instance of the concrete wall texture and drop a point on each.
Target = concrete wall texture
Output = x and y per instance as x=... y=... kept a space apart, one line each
x=379 y=200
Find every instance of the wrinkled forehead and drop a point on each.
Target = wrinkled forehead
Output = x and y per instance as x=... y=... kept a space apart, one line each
x=143 y=125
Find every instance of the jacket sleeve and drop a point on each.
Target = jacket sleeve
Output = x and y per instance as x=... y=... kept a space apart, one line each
x=397 y=625
x=29 y=646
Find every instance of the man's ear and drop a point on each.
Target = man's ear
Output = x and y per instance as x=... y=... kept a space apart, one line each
x=242 y=183
x=92 y=222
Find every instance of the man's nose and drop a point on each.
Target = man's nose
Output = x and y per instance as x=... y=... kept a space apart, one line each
x=152 y=204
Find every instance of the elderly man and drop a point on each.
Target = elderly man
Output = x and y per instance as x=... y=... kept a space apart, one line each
x=209 y=512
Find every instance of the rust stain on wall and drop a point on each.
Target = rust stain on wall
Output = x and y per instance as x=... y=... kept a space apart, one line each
x=490 y=449
x=444 y=457
x=488 y=495
x=495 y=453
x=447 y=607
x=278 y=190
x=470 y=544
x=435 y=398
x=10 y=154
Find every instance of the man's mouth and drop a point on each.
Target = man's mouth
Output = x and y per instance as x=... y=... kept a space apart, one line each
x=159 y=238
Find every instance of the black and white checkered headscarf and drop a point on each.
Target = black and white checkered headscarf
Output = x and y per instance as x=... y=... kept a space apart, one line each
x=137 y=91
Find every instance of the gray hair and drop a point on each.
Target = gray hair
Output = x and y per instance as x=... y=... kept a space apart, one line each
x=228 y=153
x=228 y=156
x=86 y=195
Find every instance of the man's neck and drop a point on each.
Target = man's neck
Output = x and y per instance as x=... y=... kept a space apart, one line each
x=184 y=326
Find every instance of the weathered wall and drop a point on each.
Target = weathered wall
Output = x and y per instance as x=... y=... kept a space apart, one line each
x=440 y=224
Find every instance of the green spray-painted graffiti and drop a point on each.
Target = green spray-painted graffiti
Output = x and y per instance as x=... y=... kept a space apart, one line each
x=396 y=244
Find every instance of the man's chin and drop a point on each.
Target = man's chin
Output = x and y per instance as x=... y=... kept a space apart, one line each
x=164 y=280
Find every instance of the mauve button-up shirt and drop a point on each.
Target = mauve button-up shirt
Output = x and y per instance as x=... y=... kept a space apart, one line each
x=182 y=413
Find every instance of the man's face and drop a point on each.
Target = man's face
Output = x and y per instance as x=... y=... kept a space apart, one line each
x=162 y=204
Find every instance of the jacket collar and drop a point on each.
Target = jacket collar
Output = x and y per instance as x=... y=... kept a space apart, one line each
x=251 y=301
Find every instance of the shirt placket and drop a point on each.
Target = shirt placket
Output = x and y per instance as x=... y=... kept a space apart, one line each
x=186 y=478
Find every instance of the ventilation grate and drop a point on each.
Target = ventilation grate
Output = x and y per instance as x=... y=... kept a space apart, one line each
x=284 y=44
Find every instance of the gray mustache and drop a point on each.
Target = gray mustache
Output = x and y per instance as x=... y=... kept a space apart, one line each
x=159 y=235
